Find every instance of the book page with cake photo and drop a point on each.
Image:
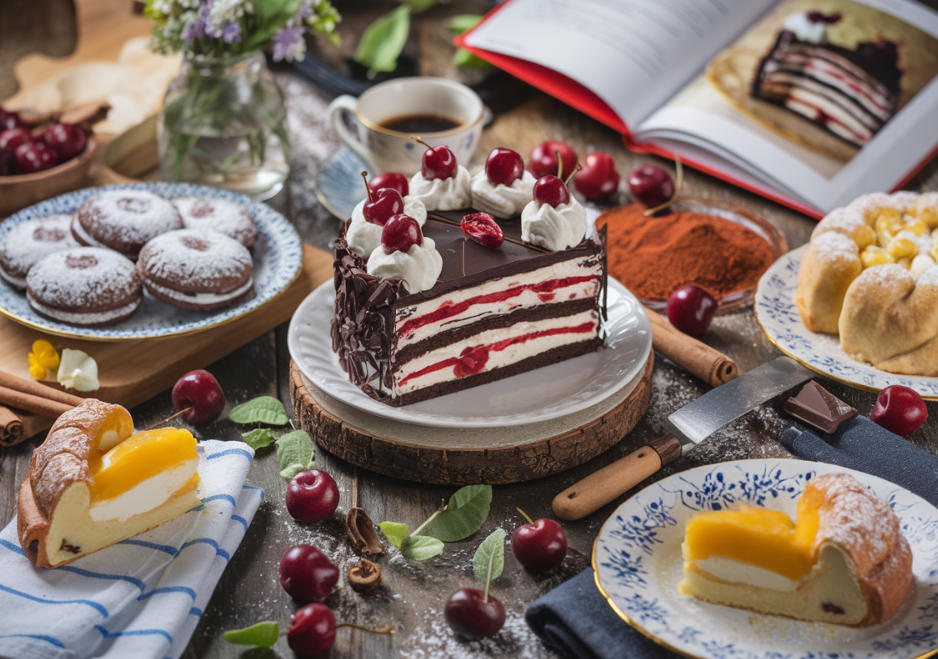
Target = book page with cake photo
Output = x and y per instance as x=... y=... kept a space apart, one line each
x=809 y=102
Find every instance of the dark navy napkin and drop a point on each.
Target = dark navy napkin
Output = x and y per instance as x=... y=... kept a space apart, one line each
x=574 y=619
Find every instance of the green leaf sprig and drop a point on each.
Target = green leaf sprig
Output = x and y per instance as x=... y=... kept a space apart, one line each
x=489 y=559
x=295 y=450
x=462 y=57
x=383 y=41
x=295 y=453
x=414 y=546
x=258 y=438
x=263 y=635
x=263 y=409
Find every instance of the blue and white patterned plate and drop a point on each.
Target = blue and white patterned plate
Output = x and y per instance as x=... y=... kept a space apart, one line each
x=278 y=257
x=638 y=565
x=778 y=315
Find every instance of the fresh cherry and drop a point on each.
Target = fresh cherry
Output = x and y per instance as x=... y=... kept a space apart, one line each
x=7 y=163
x=503 y=166
x=307 y=574
x=12 y=138
x=392 y=180
x=34 y=157
x=11 y=120
x=312 y=630
x=899 y=409
x=550 y=190
x=469 y=614
x=544 y=159
x=539 y=546
x=437 y=162
x=200 y=392
x=598 y=179
x=650 y=185
x=400 y=233
x=382 y=206
x=312 y=496
x=67 y=140
x=691 y=308
x=483 y=229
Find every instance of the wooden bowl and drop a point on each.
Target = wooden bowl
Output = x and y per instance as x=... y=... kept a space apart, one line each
x=24 y=190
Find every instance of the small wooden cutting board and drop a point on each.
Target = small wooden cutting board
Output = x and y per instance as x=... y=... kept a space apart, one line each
x=131 y=372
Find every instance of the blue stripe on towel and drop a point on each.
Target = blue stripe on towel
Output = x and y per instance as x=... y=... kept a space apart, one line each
x=200 y=541
x=12 y=547
x=226 y=497
x=85 y=573
x=254 y=487
x=168 y=549
x=194 y=611
x=168 y=589
x=134 y=632
x=94 y=605
x=243 y=522
x=48 y=639
x=231 y=451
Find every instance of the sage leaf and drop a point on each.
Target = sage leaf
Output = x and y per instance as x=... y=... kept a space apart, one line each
x=263 y=634
x=394 y=532
x=420 y=547
x=258 y=438
x=492 y=550
x=463 y=23
x=264 y=409
x=383 y=41
x=463 y=57
x=418 y=6
x=467 y=510
x=295 y=453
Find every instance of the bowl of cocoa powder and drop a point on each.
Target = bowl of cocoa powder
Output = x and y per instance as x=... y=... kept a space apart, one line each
x=719 y=246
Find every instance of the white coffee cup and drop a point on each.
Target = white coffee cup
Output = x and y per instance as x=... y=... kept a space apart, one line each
x=384 y=150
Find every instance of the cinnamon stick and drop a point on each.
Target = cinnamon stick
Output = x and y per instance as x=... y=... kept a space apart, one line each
x=708 y=364
x=30 y=403
x=34 y=388
x=17 y=426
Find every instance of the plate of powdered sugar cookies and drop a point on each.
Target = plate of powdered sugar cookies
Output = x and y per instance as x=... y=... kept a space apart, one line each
x=143 y=260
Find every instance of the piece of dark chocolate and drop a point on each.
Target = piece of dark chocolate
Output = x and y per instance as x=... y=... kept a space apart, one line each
x=819 y=408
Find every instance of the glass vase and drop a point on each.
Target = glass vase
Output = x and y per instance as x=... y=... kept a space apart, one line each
x=224 y=124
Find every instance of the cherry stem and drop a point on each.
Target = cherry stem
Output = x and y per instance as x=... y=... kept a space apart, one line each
x=169 y=418
x=420 y=141
x=420 y=528
x=367 y=187
x=525 y=515
x=559 y=162
x=677 y=189
x=572 y=174
x=386 y=630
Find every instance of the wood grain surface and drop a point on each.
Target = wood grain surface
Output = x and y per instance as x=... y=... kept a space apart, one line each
x=412 y=596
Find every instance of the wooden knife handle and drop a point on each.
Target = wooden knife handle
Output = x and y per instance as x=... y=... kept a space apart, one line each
x=612 y=481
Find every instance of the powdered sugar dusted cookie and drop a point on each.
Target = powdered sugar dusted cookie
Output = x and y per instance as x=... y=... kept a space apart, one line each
x=227 y=217
x=88 y=286
x=124 y=220
x=197 y=269
x=30 y=242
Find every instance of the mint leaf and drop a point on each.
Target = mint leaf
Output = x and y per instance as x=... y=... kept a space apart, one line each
x=418 y=6
x=263 y=634
x=463 y=57
x=420 y=547
x=464 y=515
x=490 y=552
x=264 y=409
x=383 y=41
x=258 y=438
x=295 y=453
x=463 y=23
x=394 y=532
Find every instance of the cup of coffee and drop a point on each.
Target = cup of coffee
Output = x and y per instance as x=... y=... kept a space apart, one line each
x=379 y=124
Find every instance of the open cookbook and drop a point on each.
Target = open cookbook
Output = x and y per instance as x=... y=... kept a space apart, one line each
x=808 y=102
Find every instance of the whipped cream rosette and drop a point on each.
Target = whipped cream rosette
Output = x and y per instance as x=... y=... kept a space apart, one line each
x=501 y=200
x=553 y=228
x=363 y=236
x=443 y=194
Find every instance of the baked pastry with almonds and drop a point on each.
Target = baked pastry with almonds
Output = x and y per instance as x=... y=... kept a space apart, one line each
x=858 y=273
x=844 y=561
x=93 y=483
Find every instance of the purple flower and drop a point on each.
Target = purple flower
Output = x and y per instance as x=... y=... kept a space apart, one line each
x=304 y=11
x=231 y=33
x=288 y=44
x=194 y=30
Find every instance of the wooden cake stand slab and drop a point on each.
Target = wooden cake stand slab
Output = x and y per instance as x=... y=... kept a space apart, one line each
x=466 y=456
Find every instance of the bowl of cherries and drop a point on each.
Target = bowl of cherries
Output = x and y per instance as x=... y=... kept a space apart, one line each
x=40 y=160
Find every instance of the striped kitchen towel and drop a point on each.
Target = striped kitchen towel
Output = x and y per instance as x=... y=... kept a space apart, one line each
x=138 y=599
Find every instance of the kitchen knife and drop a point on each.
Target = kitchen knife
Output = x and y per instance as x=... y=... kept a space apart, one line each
x=689 y=425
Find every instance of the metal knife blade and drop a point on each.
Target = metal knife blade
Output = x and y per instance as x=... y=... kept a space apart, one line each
x=692 y=423
x=701 y=418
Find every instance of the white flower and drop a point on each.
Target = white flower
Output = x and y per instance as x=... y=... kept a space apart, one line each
x=78 y=371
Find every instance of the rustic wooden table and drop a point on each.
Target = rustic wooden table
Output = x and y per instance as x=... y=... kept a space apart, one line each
x=412 y=597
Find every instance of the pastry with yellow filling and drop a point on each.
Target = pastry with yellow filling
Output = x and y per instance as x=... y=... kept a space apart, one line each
x=93 y=483
x=843 y=561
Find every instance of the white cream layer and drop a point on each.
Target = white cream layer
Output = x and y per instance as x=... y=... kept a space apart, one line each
x=825 y=72
x=808 y=103
x=79 y=318
x=527 y=298
x=201 y=298
x=552 y=228
x=733 y=571
x=497 y=359
x=363 y=237
x=442 y=194
x=14 y=281
x=146 y=495
x=500 y=200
